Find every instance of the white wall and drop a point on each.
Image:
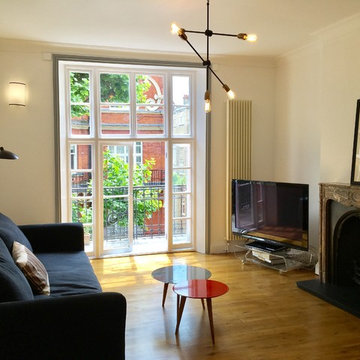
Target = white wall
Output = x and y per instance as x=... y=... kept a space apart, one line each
x=297 y=124
x=317 y=88
x=250 y=79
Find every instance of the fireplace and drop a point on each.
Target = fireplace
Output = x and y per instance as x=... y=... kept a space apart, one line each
x=339 y=260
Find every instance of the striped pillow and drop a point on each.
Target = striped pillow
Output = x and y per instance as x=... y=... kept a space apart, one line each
x=32 y=268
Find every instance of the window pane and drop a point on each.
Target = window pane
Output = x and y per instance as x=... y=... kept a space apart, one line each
x=150 y=100
x=115 y=170
x=150 y=119
x=114 y=88
x=79 y=87
x=181 y=205
x=181 y=105
x=115 y=119
x=80 y=156
x=116 y=220
x=181 y=231
x=149 y=89
x=81 y=184
x=181 y=180
x=82 y=211
x=88 y=238
x=80 y=119
x=181 y=120
x=181 y=155
x=181 y=93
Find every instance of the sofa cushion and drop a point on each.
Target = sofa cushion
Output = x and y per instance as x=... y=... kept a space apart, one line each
x=70 y=273
x=10 y=232
x=32 y=268
x=13 y=284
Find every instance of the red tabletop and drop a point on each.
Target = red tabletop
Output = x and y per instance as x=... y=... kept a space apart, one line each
x=200 y=289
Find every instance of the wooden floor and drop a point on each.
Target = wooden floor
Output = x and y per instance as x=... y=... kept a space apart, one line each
x=263 y=316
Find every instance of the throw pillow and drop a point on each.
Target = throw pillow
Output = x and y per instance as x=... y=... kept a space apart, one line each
x=13 y=284
x=10 y=232
x=32 y=268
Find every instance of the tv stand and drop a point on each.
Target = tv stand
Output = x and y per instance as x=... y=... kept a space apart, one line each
x=264 y=246
x=283 y=260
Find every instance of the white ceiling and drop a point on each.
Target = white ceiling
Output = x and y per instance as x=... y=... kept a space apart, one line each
x=281 y=25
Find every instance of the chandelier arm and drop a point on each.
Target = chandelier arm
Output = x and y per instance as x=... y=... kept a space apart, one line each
x=207 y=77
x=216 y=75
x=207 y=30
x=195 y=51
x=194 y=31
x=223 y=34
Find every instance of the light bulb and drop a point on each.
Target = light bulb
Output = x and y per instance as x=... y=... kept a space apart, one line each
x=247 y=37
x=207 y=106
x=251 y=37
x=174 y=29
x=229 y=92
x=207 y=101
x=231 y=95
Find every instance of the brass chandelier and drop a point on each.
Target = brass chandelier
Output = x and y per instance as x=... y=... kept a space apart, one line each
x=181 y=32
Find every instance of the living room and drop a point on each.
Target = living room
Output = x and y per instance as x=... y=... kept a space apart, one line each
x=303 y=89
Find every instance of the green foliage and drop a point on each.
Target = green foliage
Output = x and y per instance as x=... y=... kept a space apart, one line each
x=115 y=182
x=114 y=88
x=79 y=87
x=142 y=86
x=179 y=177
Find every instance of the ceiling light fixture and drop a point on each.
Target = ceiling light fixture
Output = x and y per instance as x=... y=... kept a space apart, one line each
x=181 y=32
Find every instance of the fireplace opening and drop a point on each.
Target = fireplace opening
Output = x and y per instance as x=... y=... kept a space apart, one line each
x=339 y=280
x=344 y=262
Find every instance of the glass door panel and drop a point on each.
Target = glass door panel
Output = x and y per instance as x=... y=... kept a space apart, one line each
x=117 y=203
x=182 y=194
x=82 y=190
x=149 y=197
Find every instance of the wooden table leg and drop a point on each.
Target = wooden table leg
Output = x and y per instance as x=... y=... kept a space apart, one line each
x=164 y=293
x=202 y=303
x=180 y=312
x=209 y=306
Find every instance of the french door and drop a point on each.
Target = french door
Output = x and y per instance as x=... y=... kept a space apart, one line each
x=116 y=198
x=127 y=161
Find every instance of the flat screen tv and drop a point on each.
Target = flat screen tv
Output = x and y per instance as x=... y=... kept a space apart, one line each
x=273 y=214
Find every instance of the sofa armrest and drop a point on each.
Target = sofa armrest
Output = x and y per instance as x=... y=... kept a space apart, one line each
x=73 y=327
x=55 y=237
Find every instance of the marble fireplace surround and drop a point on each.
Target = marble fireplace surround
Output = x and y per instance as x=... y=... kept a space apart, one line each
x=336 y=200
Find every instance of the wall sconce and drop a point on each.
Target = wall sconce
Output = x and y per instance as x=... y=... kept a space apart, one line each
x=17 y=93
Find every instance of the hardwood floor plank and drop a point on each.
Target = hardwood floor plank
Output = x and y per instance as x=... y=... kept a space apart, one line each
x=263 y=316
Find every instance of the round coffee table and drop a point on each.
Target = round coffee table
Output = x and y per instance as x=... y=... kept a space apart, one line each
x=177 y=273
x=199 y=289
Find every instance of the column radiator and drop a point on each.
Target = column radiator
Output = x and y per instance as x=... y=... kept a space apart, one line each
x=238 y=150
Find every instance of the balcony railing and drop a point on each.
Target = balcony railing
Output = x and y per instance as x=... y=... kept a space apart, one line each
x=148 y=209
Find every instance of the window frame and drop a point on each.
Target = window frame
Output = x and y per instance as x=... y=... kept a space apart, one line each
x=95 y=135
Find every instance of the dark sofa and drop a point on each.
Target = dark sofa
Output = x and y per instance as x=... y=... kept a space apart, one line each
x=77 y=320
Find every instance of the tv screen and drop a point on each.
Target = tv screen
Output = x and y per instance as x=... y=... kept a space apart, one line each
x=272 y=212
